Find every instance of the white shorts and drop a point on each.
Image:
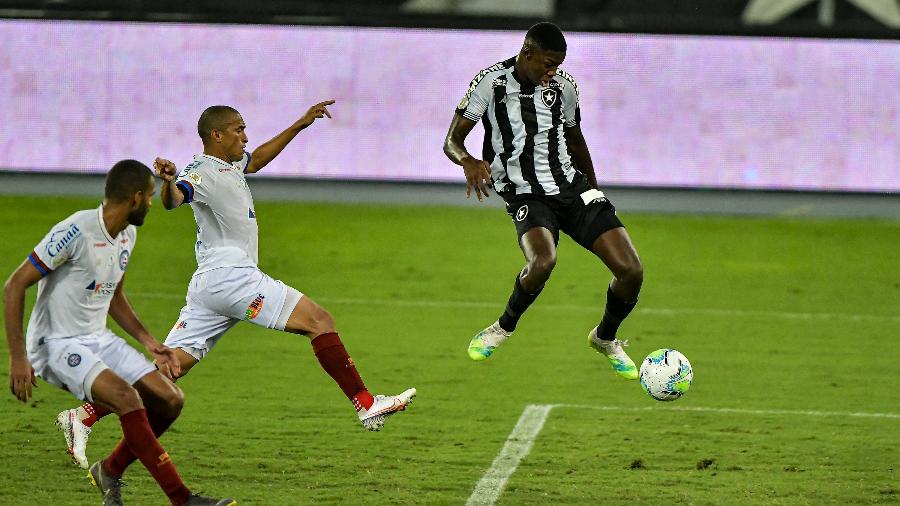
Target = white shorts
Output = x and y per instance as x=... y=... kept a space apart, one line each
x=218 y=299
x=73 y=363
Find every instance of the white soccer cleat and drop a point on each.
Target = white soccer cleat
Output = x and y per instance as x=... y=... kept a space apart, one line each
x=76 y=434
x=383 y=407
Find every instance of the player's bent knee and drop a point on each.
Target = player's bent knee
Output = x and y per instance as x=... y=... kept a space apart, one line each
x=541 y=266
x=124 y=400
x=173 y=402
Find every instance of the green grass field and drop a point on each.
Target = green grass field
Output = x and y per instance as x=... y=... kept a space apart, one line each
x=790 y=325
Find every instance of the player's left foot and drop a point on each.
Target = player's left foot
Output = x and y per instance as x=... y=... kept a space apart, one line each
x=383 y=407
x=76 y=434
x=620 y=361
x=485 y=342
x=199 y=500
x=110 y=486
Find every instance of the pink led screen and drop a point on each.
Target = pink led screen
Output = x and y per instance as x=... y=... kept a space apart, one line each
x=657 y=110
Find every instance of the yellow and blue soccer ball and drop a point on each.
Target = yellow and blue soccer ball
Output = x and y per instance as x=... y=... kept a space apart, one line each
x=666 y=374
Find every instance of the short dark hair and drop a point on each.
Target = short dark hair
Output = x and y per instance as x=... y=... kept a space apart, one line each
x=126 y=178
x=215 y=117
x=547 y=36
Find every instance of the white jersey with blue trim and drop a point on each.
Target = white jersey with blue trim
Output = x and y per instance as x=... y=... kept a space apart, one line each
x=227 y=235
x=81 y=267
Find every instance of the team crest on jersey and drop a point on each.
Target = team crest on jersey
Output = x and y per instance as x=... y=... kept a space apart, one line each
x=123 y=259
x=522 y=213
x=73 y=360
x=548 y=97
x=255 y=307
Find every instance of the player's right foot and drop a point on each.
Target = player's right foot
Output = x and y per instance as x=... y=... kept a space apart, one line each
x=76 y=434
x=485 y=342
x=618 y=359
x=110 y=486
x=199 y=500
x=383 y=407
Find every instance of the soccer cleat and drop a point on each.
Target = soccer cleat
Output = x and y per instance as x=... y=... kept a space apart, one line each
x=383 y=407
x=109 y=486
x=76 y=434
x=485 y=342
x=199 y=500
x=620 y=361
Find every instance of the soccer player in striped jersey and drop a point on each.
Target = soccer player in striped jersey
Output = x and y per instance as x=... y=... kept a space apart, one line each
x=228 y=287
x=536 y=159
x=79 y=267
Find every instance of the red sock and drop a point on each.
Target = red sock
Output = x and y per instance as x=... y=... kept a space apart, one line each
x=94 y=412
x=122 y=456
x=337 y=363
x=141 y=441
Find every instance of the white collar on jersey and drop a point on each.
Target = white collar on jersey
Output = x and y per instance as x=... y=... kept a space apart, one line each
x=103 y=225
x=219 y=160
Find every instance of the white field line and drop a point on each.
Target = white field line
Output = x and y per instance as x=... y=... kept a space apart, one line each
x=522 y=437
x=517 y=446
x=572 y=307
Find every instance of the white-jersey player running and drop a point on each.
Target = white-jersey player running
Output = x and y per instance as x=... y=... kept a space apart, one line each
x=227 y=286
x=80 y=270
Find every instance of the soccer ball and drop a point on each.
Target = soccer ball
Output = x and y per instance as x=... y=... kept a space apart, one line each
x=666 y=374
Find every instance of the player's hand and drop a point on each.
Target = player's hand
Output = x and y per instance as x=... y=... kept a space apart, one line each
x=165 y=359
x=478 y=176
x=21 y=378
x=315 y=112
x=165 y=169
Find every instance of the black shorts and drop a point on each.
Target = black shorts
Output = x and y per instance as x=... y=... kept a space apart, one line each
x=583 y=221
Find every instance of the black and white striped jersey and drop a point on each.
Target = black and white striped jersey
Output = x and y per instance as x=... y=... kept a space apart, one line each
x=524 y=139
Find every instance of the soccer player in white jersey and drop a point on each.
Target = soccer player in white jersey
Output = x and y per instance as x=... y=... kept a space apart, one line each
x=80 y=270
x=227 y=286
x=536 y=158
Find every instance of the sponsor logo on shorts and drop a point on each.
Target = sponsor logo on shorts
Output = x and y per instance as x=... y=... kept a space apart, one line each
x=73 y=360
x=180 y=325
x=522 y=213
x=123 y=259
x=255 y=307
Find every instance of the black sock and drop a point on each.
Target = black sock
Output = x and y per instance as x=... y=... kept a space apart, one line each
x=518 y=303
x=616 y=311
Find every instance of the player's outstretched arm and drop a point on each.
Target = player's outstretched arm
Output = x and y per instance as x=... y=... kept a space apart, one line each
x=478 y=172
x=265 y=153
x=579 y=150
x=21 y=374
x=170 y=195
x=123 y=313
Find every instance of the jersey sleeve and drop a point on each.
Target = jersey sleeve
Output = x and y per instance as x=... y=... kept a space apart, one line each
x=570 y=108
x=193 y=183
x=475 y=102
x=62 y=243
x=245 y=162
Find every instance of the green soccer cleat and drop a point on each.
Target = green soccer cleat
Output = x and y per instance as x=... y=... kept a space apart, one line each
x=485 y=342
x=620 y=361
